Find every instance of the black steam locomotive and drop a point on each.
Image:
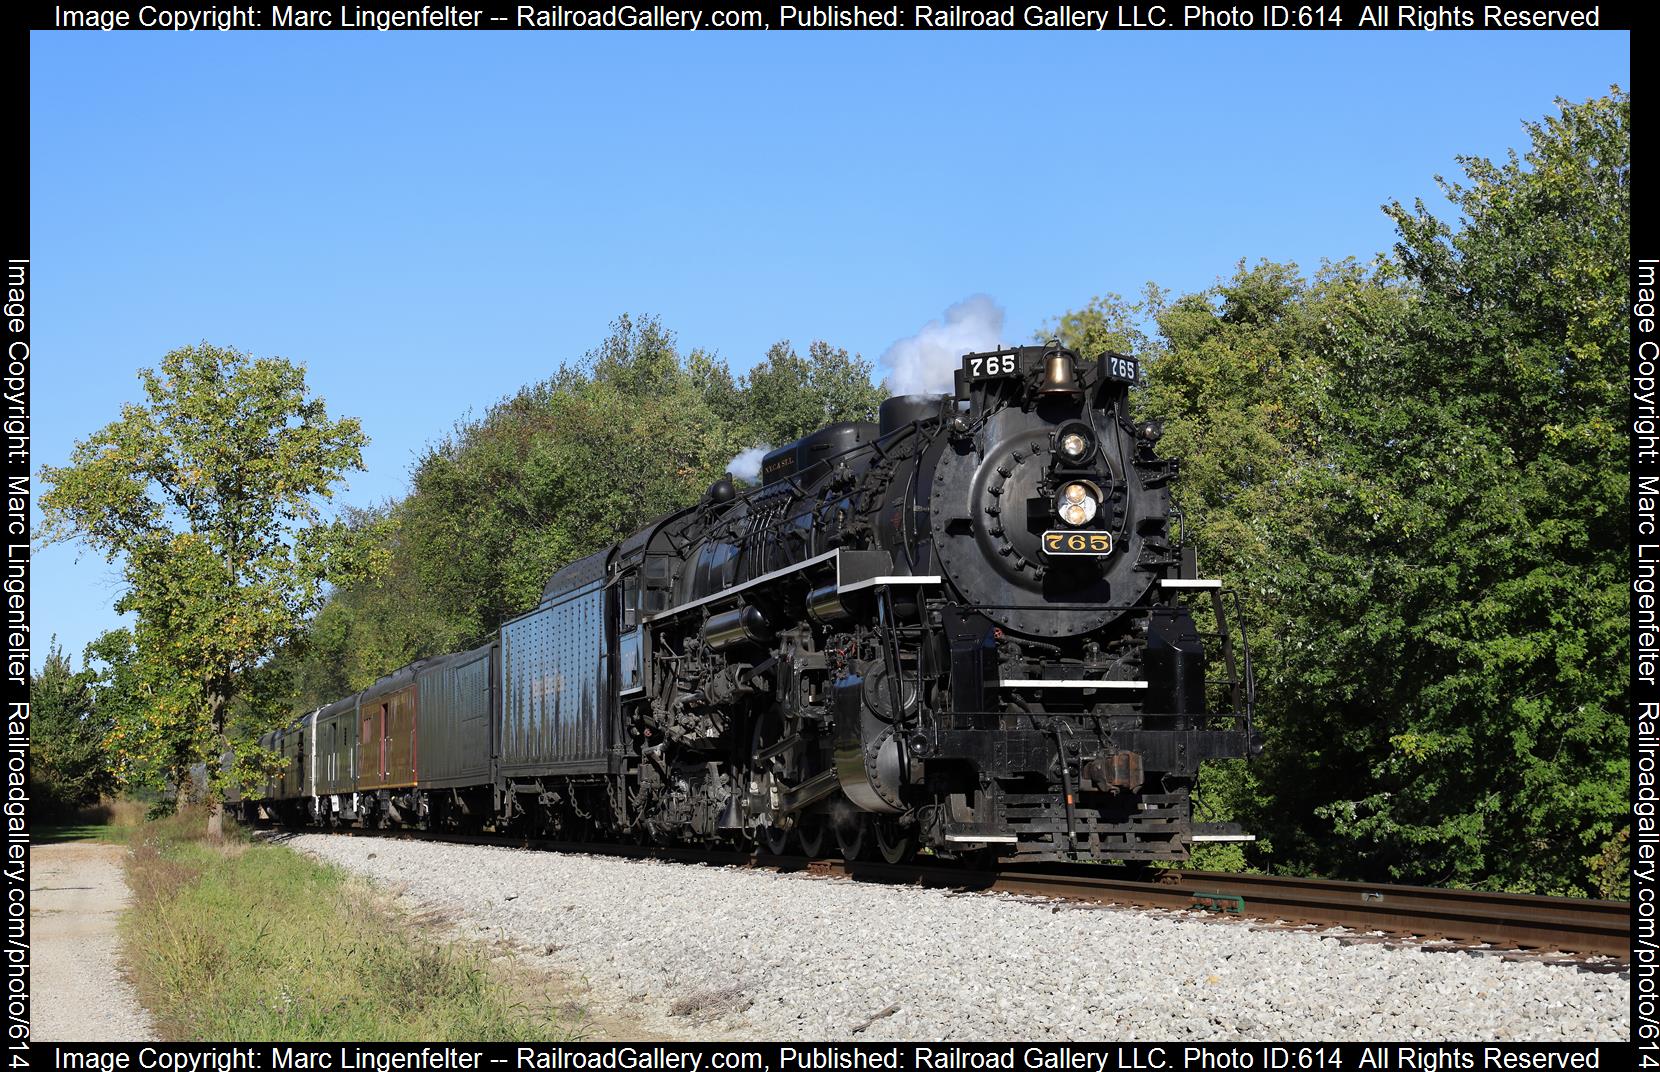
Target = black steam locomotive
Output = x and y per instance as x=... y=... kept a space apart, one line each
x=963 y=628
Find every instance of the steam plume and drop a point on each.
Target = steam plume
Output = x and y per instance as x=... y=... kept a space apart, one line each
x=923 y=363
x=747 y=465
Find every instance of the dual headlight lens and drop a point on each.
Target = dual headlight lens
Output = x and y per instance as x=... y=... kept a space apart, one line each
x=1078 y=504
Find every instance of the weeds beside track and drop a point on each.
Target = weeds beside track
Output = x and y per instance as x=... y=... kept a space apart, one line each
x=243 y=941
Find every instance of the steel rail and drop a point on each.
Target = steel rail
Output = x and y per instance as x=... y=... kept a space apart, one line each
x=1503 y=920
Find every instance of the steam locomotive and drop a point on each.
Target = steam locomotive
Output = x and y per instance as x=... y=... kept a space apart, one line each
x=966 y=628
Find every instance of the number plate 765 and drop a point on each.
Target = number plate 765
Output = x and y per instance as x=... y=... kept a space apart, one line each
x=1064 y=542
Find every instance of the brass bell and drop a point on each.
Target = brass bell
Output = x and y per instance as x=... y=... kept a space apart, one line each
x=1060 y=374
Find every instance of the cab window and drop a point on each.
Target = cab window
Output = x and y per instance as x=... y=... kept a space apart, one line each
x=631 y=601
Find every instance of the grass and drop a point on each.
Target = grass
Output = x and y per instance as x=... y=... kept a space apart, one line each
x=246 y=941
x=107 y=820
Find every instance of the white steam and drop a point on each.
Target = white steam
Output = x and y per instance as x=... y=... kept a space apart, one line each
x=747 y=465
x=924 y=363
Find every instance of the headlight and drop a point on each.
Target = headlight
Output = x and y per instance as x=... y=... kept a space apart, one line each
x=1077 y=504
x=1074 y=443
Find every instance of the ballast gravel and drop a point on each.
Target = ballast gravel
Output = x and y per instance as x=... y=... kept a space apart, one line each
x=732 y=952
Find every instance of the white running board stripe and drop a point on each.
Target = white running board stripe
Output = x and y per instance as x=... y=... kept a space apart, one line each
x=1066 y=683
x=871 y=582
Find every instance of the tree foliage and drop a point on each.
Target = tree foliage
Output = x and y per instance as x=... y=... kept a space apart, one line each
x=1109 y=322
x=1457 y=639
x=208 y=495
x=557 y=471
x=69 y=762
x=631 y=431
x=120 y=696
x=1414 y=471
x=786 y=396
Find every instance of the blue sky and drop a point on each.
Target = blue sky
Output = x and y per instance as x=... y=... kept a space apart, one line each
x=429 y=221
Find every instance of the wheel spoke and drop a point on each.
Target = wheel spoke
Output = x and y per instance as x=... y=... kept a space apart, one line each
x=810 y=830
x=854 y=837
x=776 y=842
x=896 y=844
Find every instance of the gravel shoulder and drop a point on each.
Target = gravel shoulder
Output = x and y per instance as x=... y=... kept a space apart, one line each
x=80 y=994
x=730 y=953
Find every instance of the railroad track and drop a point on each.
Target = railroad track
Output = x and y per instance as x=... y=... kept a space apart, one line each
x=1469 y=918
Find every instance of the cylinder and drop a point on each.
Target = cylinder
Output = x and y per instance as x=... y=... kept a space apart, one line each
x=827 y=607
x=728 y=629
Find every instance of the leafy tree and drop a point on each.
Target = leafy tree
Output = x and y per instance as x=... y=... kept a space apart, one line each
x=120 y=696
x=1239 y=377
x=557 y=470
x=1415 y=471
x=208 y=493
x=69 y=763
x=383 y=620
x=1453 y=671
x=721 y=391
x=1109 y=323
x=787 y=396
x=560 y=469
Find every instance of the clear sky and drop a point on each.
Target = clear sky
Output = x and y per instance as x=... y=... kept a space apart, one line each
x=429 y=221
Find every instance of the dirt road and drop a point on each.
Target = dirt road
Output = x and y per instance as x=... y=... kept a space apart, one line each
x=76 y=893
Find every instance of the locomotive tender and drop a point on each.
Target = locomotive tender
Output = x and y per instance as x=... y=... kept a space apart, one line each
x=965 y=628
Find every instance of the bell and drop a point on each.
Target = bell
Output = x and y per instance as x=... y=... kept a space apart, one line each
x=1060 y=374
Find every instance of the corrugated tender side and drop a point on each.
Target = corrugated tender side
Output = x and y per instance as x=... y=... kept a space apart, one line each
x=454 y=723
x=554 y=716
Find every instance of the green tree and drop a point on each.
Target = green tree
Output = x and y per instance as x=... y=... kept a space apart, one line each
x=69 y=759
x=1239 y=375
x=208 y=495
x=786 y=396
x=383 y=620
x=561 y=469
x=632 y=430
x=1454 y=660
x=1109 y=323
x=1415 y=471
x=119 y=695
